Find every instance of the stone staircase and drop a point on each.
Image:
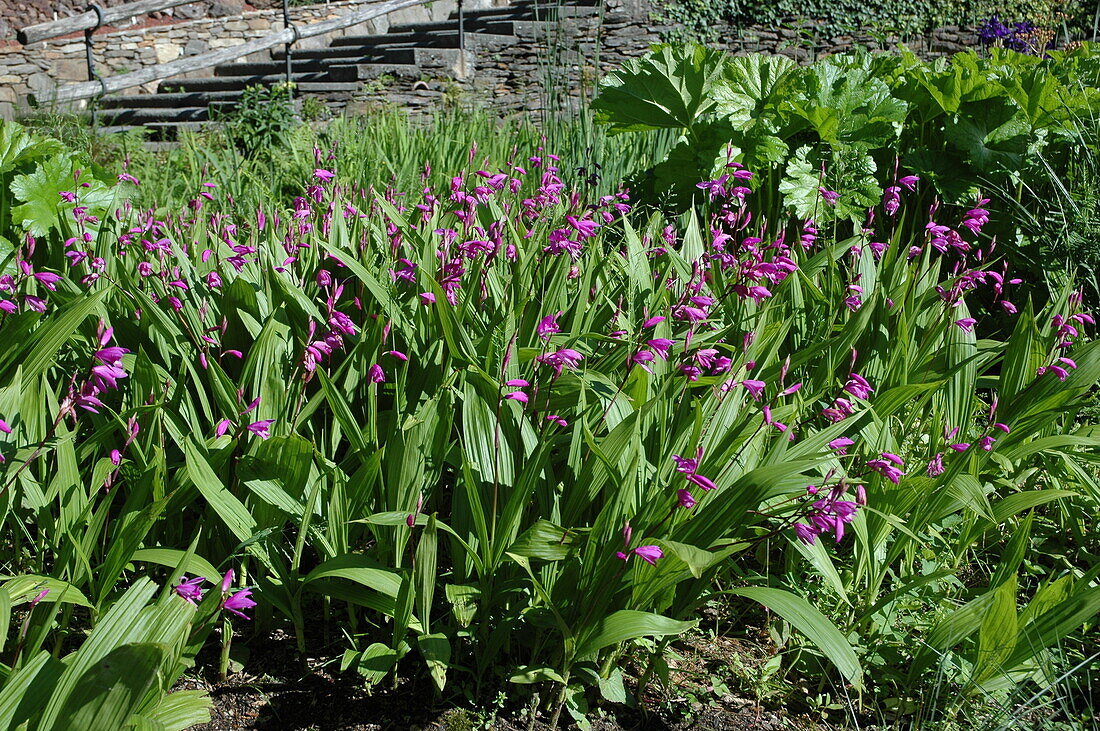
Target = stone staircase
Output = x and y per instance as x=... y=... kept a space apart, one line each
x=412 y=65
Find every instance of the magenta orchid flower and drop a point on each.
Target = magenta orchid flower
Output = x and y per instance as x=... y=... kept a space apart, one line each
x=935 y=466
x=888 y=465
x=704 y=482
x=548 y=326
x=561 y=359
x=261 y=428
x=649 y=554
x=840 y=445
x=661 y=345
x=829 y=514
x=858 y=386
x=685 y=464
x=754 y=387
x=190 y=589
x=238 y=602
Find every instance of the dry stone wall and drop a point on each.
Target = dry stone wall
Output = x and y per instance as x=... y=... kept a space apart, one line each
x=41 y=67
x=542 y=65
x=555 y=65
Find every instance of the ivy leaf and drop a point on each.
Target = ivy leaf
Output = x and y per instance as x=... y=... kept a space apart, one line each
x=852 y=172
x=7 y=257
x=40 y=192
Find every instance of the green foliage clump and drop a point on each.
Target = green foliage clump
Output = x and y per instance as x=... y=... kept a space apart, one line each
x=260 y=124
x=1010 y=127
x=702 y=21
x=504 y=428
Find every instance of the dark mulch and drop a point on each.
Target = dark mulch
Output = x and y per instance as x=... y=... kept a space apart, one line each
x=274 y=692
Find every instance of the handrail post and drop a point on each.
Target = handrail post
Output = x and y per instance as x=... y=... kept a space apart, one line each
x=89 y=59
x=461 y=41
x=289 y=62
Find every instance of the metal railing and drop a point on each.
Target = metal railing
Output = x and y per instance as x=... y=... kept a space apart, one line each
x=98 y=86
x=92 y=19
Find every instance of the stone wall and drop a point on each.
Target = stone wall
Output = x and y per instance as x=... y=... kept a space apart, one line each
x=544 y=64
x=558 y=63
x=21 y=13
x=40 y=67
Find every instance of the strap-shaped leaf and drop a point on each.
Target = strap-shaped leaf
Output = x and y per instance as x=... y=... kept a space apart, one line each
x=812 y=623
x=628 y=624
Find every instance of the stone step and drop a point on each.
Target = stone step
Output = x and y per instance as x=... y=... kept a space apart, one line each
x=368 y=71
x=116 y=129
x=327 y=87
x=153 y=145
x=489 y=40
x=408 y=52
x=428 y=61
x=516 y=11
x=374 y=44
x=229 y=83
x=166 y=131
x=533 y=11
x=167 y=99
x=318 y=64
x=150 y=115
x=486 y=22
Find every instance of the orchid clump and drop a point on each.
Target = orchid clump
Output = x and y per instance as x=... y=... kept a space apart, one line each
x=504 y=405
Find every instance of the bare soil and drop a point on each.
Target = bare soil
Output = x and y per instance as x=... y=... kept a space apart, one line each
x=274 y=692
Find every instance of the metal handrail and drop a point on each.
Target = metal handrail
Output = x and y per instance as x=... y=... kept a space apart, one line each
x=92 y=19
